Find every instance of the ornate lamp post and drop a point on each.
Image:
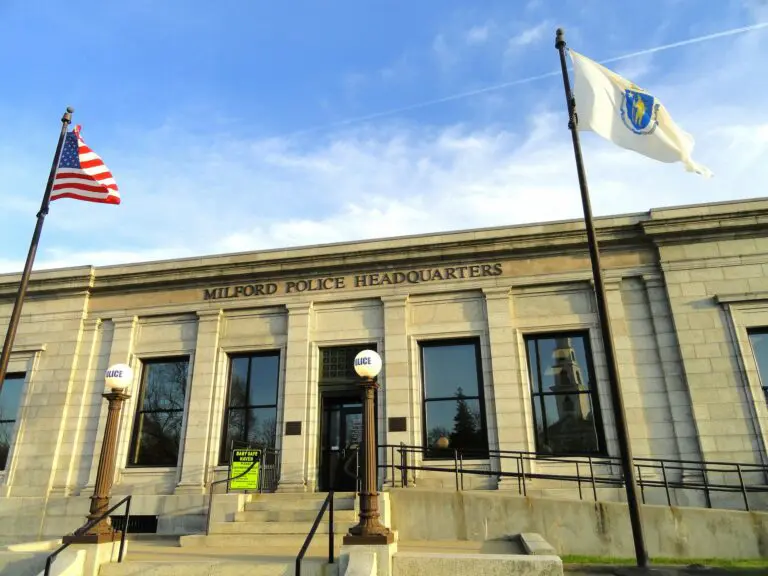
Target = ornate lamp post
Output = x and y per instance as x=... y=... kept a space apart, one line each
x=369 y=531
x=118 y=378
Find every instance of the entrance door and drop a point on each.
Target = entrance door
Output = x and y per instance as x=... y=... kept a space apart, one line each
x=341 y=434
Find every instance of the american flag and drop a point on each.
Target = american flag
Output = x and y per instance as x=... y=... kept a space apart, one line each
x=82 y=175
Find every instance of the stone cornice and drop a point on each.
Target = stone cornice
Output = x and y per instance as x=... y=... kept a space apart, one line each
x=706 y=224
x=633 y=232
x=61 y=282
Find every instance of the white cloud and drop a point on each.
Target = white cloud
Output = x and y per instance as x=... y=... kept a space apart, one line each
x=478 y=34
x=530 y=35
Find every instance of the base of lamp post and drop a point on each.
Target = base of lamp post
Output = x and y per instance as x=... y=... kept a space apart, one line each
x=368 y=539
x=93 y=538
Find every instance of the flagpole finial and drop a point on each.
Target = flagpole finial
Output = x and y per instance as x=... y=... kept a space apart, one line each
x=559 y=38
x=67 y=118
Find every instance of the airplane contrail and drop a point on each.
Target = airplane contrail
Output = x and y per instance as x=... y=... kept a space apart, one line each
x=529 y=79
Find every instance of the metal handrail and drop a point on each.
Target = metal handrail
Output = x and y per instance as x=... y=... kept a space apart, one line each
x=211 y=493
x=455 y=464
x=88 y=525
x=327 y=505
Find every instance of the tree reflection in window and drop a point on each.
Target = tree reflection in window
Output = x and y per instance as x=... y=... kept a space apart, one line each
x=156 y=437
x=10 y=400
x=251 y=418
x=453 y=403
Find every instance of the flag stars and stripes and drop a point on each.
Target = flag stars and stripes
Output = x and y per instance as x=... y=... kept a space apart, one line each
x=81 y=174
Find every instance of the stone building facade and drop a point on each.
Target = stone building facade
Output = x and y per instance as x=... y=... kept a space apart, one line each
x=490 y=342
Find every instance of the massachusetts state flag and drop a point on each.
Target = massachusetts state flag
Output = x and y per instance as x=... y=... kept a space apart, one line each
x=627 y=115
x=82 y=175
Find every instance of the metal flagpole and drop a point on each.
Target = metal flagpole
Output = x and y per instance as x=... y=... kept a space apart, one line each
x=630 y=482
x=13 y=324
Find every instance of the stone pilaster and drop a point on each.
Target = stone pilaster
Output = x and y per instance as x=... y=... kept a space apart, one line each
x=121 y=352
x=400 y=400
x=630 y=386
x=198 y=453
x=75 y=425
x=507 y=414
x=295 y=461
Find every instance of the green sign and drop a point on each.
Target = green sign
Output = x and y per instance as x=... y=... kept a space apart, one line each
x=242 y=460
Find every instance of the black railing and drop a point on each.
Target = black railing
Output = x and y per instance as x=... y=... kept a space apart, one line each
x=346 y=457
x=269 y=476
x=90 y=524
x=589 y=472
x=211 y=492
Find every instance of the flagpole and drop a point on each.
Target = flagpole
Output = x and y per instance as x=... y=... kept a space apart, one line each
x=625 y=448
x=13 y=324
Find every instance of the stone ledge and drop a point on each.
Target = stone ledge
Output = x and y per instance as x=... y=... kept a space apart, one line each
x=423 y=563
x=535 y=545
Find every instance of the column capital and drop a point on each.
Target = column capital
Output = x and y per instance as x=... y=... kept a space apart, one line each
x=299 y=307
x=209 y=315
x=653 y=280
x=124 y=320
x=497 y=293
x=394 y=300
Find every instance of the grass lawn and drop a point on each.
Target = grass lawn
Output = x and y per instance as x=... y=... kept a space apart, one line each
x=717 y=562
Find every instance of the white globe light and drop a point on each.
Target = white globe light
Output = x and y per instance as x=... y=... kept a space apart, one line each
x=368 y=364
x=119 y=376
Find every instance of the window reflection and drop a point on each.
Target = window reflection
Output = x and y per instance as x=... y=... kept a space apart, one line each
x=453 y=408
x=156 y=437
x=10 y=401
x=759 y=341
x=251 y=418
x=563 y=394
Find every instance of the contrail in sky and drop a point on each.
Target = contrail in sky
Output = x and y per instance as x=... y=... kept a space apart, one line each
x=529 y=79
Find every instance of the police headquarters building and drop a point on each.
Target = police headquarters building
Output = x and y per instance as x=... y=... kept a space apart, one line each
x=489 y=338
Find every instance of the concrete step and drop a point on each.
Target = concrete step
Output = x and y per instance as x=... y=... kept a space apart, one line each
x=268 y=504
x=290 y=496
x=260 y=543
x=258 y=567
x=348 y=515
x=298 y=528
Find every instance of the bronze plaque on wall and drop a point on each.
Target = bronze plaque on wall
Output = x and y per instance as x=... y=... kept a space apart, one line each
x=398 y=424
x=293 y=428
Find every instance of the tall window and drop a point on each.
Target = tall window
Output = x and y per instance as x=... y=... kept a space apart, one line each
x=252 y=408
x=454 y=415
x=160 y=409
x=759 y=341
x=10 y=400
x=565 y=404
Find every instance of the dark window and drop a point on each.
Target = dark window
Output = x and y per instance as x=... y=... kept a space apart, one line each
x=10 y=400
x=251 y=417
x=759 y=341
x=565 y=403
x=160 y=409
x=454 y=412
x=337 y=364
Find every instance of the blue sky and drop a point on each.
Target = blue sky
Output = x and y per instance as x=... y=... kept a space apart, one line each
x=235 y=126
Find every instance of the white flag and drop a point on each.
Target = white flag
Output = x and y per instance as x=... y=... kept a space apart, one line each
x=628 y=116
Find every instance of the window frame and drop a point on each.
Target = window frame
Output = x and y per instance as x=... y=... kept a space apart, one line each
x=761 y=330
x=12 y=439
x=224 y=451
x=593 y=392
x=139 y=401
x=427 y=453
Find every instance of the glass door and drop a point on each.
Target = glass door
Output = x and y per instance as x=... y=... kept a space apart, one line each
x=341 y=433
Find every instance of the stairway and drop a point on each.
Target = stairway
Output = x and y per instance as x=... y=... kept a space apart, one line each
x=264 y=540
